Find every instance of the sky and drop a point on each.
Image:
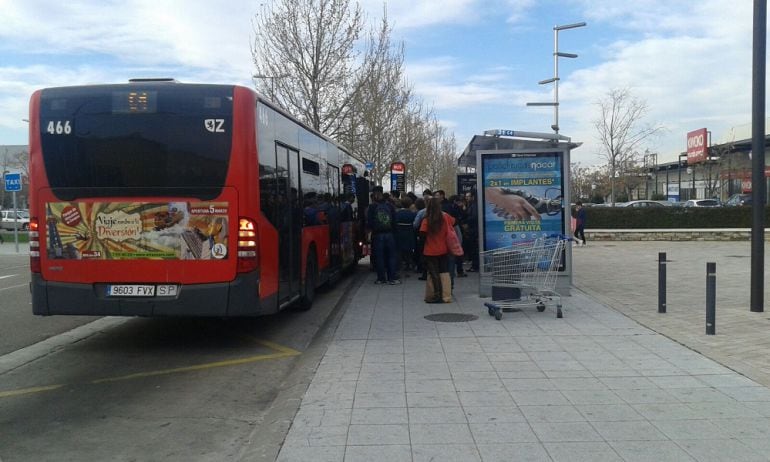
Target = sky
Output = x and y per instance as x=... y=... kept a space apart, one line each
x=476 y=62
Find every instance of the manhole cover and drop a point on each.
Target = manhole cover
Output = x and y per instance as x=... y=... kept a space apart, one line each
x=451 y=317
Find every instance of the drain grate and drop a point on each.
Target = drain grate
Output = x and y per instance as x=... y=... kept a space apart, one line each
x=451 y=317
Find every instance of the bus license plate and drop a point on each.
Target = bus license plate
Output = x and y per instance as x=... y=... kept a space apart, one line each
x=142 y=290
x=130 y=290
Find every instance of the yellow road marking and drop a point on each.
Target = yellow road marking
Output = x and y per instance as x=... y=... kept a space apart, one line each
x=283 y=352
x=198 y=367
x=25 y=391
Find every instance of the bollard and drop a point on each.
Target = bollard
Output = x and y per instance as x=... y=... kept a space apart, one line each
x=711 y=298
x=661 y=282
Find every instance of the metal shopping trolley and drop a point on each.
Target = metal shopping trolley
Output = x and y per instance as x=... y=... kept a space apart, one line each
x=523 y=274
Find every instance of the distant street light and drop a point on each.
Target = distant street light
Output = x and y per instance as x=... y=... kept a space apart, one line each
x=555 y=79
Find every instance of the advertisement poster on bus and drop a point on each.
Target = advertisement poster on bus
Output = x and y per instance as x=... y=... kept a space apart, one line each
x=137 y=230
x=522 y=197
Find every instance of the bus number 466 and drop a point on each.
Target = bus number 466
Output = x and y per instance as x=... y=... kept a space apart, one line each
x=57 y=127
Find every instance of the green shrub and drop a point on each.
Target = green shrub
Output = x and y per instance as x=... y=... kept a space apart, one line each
x=670 y=217
x=8 y=236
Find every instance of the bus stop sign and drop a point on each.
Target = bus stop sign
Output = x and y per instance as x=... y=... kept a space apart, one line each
x=13 y=181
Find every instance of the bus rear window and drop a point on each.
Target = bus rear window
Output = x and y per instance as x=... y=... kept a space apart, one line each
x=136 y=140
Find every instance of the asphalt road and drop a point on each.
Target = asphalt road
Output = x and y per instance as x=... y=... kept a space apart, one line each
x=18 y=328
x=125 y=389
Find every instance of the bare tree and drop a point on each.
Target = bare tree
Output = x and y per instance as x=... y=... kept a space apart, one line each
x=580 y=181
x=382 y=101
x=304 y=54
x=621 y=131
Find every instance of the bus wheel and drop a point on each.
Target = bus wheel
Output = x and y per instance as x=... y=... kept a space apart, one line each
x=311 y=276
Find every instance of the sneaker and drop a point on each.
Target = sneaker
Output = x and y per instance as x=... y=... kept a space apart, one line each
x=380 y=281
x=394 y=282
x=462 y=275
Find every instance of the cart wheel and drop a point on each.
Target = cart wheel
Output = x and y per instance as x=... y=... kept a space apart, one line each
x=541 y=307
x=558 y=312
x=498 y=314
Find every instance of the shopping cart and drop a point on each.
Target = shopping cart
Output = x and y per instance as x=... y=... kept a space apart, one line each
x=523 y=274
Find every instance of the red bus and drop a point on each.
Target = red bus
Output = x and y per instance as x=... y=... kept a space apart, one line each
x=158 y=198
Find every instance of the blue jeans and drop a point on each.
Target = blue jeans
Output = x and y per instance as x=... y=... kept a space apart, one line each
x=385 y=255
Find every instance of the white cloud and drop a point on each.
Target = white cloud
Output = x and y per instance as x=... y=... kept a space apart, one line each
x=410 y=14
x=693 y=70
x=168 y=34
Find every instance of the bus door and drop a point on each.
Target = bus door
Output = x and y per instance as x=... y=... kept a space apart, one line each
x=289 y=231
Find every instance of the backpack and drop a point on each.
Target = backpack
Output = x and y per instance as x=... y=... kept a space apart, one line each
x=383 y=218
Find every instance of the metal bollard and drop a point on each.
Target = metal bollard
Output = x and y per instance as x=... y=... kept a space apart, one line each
x=711 y=298
x=661 y=282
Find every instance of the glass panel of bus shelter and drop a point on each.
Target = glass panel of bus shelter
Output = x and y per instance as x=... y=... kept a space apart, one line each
x=136 y=140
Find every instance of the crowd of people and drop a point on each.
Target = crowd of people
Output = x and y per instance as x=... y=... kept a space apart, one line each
x=410 y=234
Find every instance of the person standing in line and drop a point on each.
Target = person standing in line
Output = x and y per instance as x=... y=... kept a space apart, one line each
x=420 y=241
x=580 y=222
x=405 y=235
x=457 y=210
x=471 y=232
x=381 y=221
x=434 y=228
x=446 y=206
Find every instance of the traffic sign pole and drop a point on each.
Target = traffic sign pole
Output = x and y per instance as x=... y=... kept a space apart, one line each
x=15 y=223
x=13 y=184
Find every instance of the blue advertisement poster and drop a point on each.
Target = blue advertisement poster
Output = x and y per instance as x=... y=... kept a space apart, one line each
x=522 y=197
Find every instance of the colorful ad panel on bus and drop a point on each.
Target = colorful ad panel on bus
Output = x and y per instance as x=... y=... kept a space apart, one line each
x=137 y=230
x=522 y=197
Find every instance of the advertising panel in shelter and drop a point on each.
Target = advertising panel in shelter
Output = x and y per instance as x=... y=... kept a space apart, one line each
x=522 y=197
x=137 y=230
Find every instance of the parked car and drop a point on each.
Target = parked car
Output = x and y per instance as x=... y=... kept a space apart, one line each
x=738 y=199
x=703 y=203
x=7 y=221
x=643 y=203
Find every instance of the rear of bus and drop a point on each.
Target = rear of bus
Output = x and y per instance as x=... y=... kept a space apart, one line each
x=138 y=195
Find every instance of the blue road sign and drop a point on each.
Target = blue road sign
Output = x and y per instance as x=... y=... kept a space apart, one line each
x=13 y=181
x=369 y=165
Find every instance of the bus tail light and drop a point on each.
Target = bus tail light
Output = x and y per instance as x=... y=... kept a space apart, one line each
x=34 y=245
x=247 y=245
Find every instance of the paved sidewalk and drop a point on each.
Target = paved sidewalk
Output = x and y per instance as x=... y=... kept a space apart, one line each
x=592 y=386
x=624 y=275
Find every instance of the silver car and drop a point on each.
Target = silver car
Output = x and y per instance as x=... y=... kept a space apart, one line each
x=7 y=221
x=703 y=203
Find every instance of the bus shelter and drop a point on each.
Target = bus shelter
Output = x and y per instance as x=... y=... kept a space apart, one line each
x=522 y=183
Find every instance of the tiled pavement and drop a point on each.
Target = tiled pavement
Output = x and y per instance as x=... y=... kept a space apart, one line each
x=592 y=386
x=624 y=275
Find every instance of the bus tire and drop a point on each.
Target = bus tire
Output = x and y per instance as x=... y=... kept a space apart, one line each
x=311 y=277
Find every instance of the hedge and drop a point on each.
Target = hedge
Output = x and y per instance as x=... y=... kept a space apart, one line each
x=670 y=217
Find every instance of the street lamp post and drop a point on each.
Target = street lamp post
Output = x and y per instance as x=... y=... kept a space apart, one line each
x=555 y=79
